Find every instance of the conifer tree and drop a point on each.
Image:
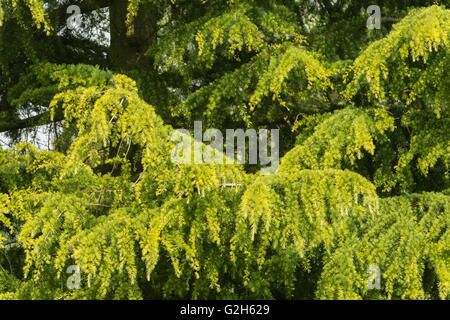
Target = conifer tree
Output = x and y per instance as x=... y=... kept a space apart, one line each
x=364 y=139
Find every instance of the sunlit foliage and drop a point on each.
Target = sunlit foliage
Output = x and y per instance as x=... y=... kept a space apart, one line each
x=363 y=180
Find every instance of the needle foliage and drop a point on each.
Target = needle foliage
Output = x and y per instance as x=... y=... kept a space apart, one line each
x=364 y=144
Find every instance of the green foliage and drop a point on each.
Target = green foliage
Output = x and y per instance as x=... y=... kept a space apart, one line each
x=340 y=139
x=284 y=219
x=363 y=180
x=408 y=63
x=409 y=242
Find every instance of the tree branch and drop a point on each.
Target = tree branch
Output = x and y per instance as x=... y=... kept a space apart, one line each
x=8 y=242
x=86 y=6
x=38 y=120
x=98 y=205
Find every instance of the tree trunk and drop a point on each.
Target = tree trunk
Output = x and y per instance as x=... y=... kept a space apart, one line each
x=129 y=42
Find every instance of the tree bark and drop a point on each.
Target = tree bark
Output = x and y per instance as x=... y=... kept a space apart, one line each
x=8 y=242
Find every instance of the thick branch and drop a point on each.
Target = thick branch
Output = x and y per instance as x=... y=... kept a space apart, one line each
x=91 y=5
x=86 y=6
x=98 y=205
x=38 y=120
x=8 y=242
x=74 y=50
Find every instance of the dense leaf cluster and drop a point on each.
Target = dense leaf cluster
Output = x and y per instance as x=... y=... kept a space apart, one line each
x=363 y=180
